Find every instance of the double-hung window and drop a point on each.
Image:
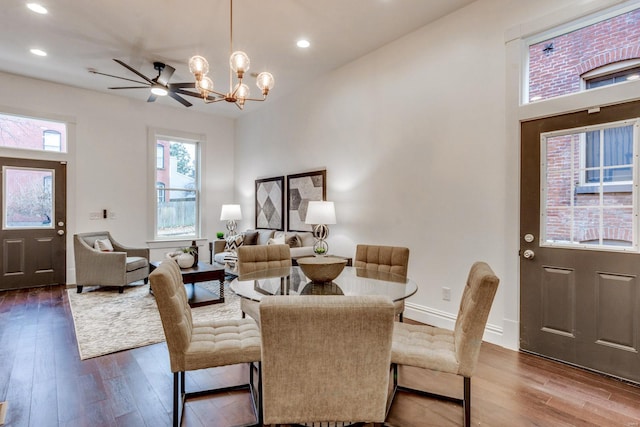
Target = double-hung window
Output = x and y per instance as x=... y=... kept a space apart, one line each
x=176 y=186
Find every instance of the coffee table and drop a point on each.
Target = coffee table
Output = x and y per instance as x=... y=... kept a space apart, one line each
x=202 y=272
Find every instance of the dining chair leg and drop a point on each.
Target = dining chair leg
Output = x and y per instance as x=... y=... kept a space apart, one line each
x=467 y=402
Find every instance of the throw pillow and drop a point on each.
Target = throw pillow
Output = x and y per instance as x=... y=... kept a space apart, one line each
x=276 y=240
x=294 y=241
x=250 y=238
x=103 y=245
x=233 y=243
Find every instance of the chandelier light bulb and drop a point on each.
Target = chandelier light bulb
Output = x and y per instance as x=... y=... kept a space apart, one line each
x=204 y=85
x=265 y=82
x=198 y=66
x=239 y=62
x=241 y=91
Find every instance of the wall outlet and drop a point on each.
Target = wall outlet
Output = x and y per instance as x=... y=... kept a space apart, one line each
x=446 y=294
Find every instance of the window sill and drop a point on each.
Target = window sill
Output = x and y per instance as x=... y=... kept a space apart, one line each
x=613 y=188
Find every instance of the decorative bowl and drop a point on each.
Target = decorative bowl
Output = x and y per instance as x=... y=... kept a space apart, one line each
x=322 y=269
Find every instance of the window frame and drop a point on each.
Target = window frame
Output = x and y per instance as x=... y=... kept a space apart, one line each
x=154 y=135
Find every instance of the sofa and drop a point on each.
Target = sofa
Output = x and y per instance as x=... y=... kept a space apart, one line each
x=300 y=242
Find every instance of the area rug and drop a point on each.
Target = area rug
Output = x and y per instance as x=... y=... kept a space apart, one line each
x=106 y=321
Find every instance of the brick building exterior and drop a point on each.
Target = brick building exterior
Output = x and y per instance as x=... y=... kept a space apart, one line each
x=557 y=67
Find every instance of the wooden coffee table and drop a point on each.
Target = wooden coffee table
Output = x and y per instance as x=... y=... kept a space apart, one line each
x=202 y=272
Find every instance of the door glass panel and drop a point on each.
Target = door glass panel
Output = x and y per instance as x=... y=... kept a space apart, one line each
x=28 y=198
x=588 y=186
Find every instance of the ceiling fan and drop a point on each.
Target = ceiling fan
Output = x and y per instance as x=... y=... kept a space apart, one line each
x=159 y=85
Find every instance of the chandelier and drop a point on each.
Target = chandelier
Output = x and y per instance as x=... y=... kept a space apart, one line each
x=239 y=64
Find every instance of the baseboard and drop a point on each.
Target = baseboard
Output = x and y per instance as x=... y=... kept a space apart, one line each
x=3 y=412
x=442 y=319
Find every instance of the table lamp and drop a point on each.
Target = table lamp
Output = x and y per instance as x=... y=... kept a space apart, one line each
x=231 y=213
x=320 y=214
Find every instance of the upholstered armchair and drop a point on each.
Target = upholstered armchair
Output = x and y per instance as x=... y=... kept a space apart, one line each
x=257 y=258
x=452 y=351
x=325 y=358
x=389 y=259
x=113 y=264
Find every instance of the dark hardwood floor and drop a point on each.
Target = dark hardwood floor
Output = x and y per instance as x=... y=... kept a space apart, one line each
x=46 y=384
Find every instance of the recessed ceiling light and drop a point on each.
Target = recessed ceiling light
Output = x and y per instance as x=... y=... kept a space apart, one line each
x=38 y=52
x=37 y=8
x=633 y=77
x=303 y=43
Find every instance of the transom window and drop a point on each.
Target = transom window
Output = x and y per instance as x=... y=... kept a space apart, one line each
x=30 y=133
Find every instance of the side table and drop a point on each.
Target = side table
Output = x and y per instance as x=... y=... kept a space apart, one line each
x=197 y=295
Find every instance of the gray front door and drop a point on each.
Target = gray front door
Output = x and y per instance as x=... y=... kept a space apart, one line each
x=580 y=260
x=33 y=212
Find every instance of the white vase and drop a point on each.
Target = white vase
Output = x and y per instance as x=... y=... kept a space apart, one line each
x=185 y=260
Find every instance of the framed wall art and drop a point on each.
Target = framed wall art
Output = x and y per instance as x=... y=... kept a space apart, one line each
x=302 y=188
x=270 y=203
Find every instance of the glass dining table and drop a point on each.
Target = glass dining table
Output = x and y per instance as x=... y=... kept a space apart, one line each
x=351 y=281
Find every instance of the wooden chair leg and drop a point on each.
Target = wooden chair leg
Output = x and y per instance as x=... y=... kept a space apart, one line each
x=121 y=289
x=176 y=397
x=401 y=317
x=467 y=402
x=79 y=289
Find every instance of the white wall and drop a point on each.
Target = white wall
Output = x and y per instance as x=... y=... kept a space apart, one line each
x=413 y=137
x=109 y=153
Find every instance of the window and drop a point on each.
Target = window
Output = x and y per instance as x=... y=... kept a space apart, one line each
x=32 y=134
x=160 y=186
x=51 y=140
x=609 y=156
x=176 y=187
x=562 y=61
x=160 y=156
x=28 y=197
x=601 y=213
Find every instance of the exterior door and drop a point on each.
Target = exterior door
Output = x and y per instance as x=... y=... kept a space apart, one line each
x=33 y=211
x=579 y=255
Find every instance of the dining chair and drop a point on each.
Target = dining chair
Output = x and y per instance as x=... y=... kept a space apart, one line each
x=201 y=345
x=452 y=351
x=256 y=258
x=390 y=259
x=325 y=359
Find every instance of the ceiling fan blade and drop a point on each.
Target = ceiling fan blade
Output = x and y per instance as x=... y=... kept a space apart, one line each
x=117 y=77
x=166 y=74
x=134 y=71
x=180 y=99
x=173 y=86
x=129 y=87
x=196 y=95
x=152 y=98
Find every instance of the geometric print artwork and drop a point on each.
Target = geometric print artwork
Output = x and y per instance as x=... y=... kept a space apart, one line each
x=302 y=188
x=270 y=203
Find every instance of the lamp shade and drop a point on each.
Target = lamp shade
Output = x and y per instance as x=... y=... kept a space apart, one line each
x=230 y=212
x=320 y=213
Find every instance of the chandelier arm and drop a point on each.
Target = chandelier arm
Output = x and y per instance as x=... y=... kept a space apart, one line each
x=241 y=107
x=210 y=100
x=256 y=99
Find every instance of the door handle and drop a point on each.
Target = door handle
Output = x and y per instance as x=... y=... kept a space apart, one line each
x=529 y=254
x=60 y=232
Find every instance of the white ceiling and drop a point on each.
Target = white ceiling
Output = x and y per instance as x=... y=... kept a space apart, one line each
x=80 y=34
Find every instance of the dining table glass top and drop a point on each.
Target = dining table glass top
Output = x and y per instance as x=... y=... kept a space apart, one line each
x=351 y=281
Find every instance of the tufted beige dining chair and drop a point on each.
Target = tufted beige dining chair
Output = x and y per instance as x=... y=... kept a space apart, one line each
x=390 y=259
x=257 y=258
x=203 y=345
x=325 y=358
x=455 y=352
